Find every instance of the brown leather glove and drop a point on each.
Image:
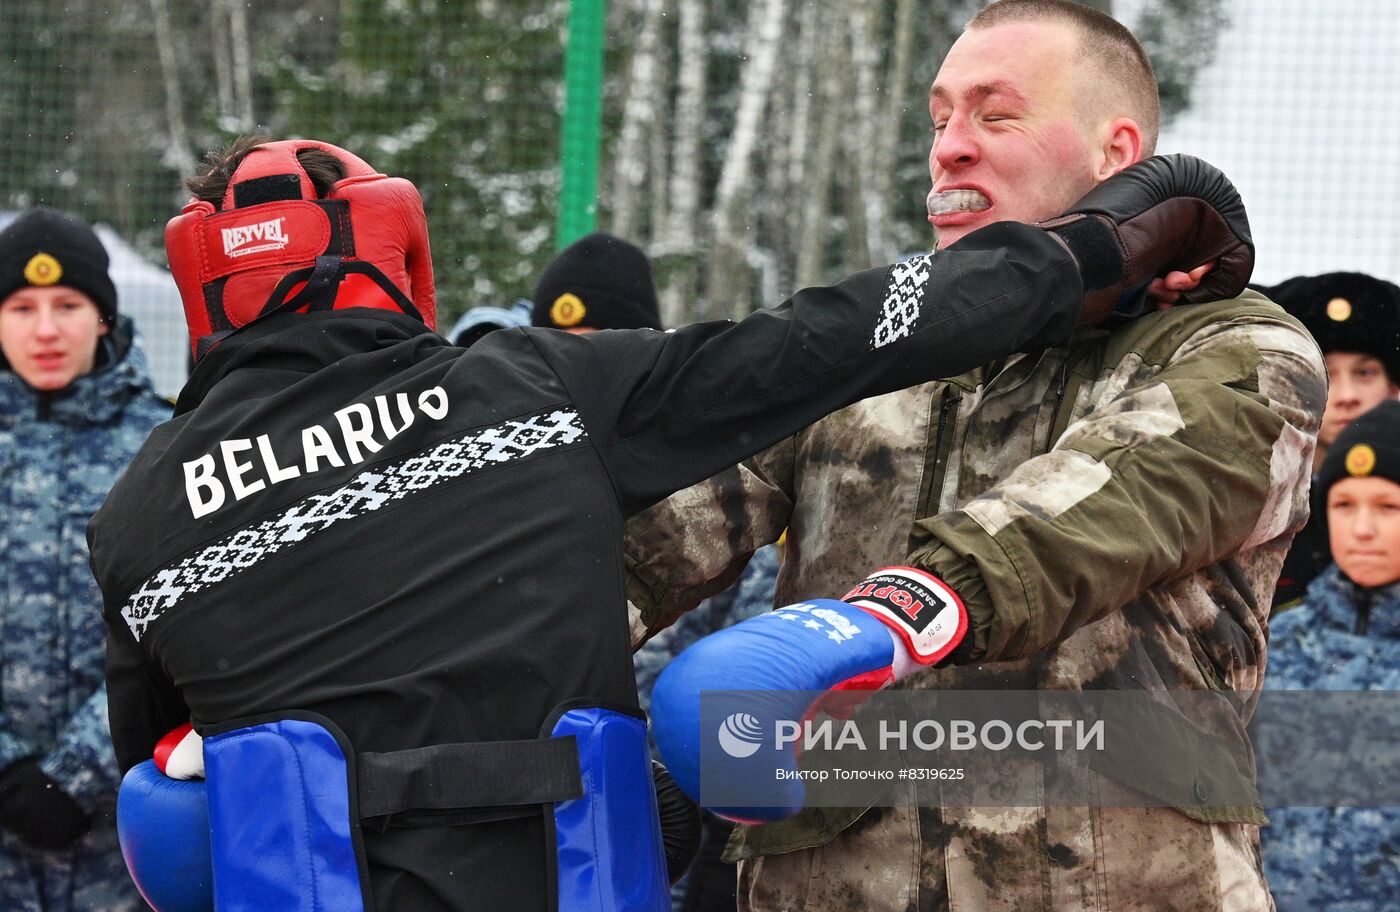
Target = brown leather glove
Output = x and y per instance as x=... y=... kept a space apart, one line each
x=1164 y=214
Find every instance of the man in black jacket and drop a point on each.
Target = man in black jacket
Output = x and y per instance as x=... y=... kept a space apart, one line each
x=412 y=551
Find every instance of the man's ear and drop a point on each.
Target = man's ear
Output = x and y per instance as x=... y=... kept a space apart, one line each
x=1120 y=145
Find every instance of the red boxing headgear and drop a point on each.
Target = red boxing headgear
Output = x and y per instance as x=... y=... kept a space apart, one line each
x=275 y=247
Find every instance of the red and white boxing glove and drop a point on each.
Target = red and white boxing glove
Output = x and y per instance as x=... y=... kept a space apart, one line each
x=896 y=621
x=163 y=825
x=922 y=612
x=180 y=754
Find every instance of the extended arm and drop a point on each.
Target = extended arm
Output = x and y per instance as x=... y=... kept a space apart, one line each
x=666 y=410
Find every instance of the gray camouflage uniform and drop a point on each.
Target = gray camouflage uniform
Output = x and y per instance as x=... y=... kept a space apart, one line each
x=59 y=455
x=1343 y=859
x=1114 y=515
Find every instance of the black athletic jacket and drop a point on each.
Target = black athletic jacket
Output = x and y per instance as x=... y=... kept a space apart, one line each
x=350 y=517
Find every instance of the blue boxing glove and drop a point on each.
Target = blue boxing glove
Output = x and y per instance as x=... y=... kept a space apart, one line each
x=163 y=826
x=895 y=622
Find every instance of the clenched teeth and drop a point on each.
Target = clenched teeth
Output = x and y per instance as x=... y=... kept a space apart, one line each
x=947 y=201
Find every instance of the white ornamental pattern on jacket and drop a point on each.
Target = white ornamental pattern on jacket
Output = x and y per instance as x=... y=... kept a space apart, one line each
x=366 y=492
x=903 y=302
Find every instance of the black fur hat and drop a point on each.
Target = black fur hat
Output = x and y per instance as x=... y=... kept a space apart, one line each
x=1347 y=312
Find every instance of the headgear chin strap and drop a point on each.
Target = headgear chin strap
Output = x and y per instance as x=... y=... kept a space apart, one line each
x=274 y=247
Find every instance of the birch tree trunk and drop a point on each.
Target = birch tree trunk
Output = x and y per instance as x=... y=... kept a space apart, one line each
x=681 y=237
x=242 y=63
x=638 y=120
x=792 y=144
x=179 y=155
x=868 y=211
x=223 y=65
x=816 y=196
x=657 y=170
x=895 y=113
x=728 y=279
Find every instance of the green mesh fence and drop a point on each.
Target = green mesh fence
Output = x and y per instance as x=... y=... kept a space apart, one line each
x=108 y=105
x=583 y=103
x=749 y=146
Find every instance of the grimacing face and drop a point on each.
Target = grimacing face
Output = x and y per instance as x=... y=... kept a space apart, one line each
x=1363 y=523
x=49 y=335
x=1010 y=137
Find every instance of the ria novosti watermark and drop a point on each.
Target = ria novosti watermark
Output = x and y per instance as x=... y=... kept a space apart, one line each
x=1030 y=748
x=925 y=735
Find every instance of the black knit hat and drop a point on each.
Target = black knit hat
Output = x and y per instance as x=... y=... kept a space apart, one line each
x=599 y=281
x=1367 y=447
x=43 y=246
x=1347 y=312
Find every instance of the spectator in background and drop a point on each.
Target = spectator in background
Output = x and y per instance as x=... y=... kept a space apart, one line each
x=1344 y=636
x=479 y=321
x=75 y=405
x=1355 y=319
x=597 y=282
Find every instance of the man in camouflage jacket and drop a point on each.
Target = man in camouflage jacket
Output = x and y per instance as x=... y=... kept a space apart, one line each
x=1113 y=514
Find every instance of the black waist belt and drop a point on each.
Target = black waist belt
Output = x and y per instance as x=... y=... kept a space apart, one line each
x=479 y=775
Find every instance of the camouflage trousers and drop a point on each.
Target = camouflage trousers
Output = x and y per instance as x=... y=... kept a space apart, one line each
x=1016 y=860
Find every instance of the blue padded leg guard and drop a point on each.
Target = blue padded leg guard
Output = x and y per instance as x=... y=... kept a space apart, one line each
x=281 y=815
x=609 y=841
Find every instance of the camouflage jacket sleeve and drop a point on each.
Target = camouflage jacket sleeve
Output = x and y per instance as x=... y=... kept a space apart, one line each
x=698 y=541
x=751 y=596
x=1183 y=467
x=83 y=763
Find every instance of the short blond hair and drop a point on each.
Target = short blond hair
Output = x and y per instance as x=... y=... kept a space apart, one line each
x=1119 y=56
